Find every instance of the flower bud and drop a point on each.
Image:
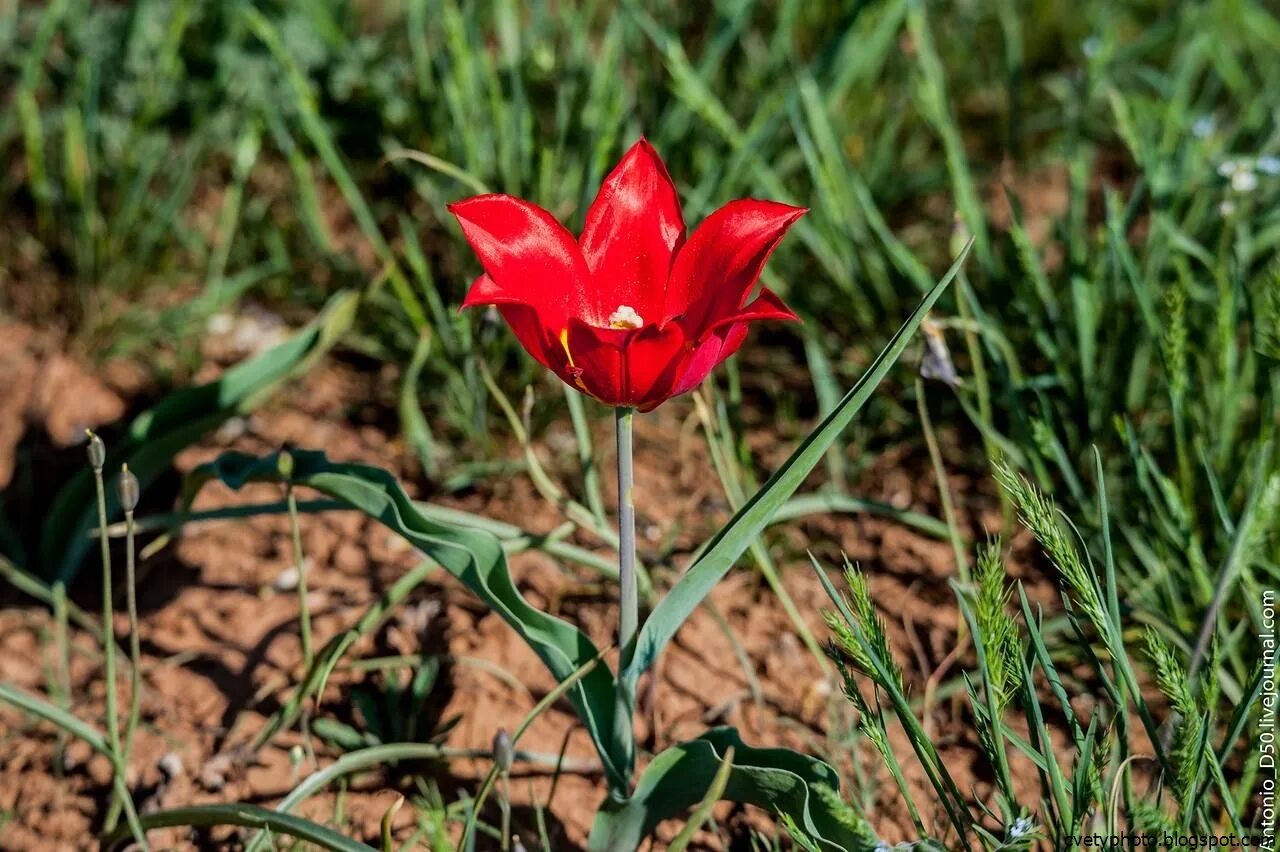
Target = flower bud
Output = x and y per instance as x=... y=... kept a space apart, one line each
x=97 y=451
x=284 y=464
x=128 y=489
x=503 y=753
x=516 y=845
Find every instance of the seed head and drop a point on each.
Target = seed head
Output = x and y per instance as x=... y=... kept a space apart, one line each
x=97 y=451
x=128 y=489
x=503 y=753
x=284 y=464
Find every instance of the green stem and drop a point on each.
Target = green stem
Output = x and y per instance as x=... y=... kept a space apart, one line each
x=61 y=633
x=586 y=454
x=304 y=610
x=135 y=646
x=109 y=652
x=944 y=489
x=629 y=615
x=506 y=811
x=628 y=604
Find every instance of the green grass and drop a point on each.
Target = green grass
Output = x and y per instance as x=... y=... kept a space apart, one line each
x=1117 y=330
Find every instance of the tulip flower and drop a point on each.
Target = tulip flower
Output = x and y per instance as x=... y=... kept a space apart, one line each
x=631 y=313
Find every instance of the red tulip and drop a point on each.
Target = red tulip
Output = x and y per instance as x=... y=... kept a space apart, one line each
x=631 y=312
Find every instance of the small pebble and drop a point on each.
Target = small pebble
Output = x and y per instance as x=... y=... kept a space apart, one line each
x=232 y=429
x=170 y=766
x=287 y=580
x=213 y=775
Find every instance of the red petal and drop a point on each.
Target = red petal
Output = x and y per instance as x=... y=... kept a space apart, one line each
x=529 y=331
x=766 y=306
x=596 y=366
x=529 y=256
x=632 y=229
x=484 y=291
x=522 y=318
x=653 y=359
x=715 y=348
x=716 y=270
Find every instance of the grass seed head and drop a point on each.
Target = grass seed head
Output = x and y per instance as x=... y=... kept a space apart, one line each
x=999 y=632
x=1174 y=339
x=128 y=489
x=97 y=451
x=1040 y=515
x=503 y=752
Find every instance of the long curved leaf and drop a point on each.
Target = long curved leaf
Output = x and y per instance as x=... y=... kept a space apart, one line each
x=251 y=816
x=473 y=556
x=179 y=420
x=730 y=542
x=776 y=779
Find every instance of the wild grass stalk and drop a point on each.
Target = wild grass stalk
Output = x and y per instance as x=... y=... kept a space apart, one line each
x=62 y=650
x=299 y=562
x=128 y=492
x=97 y=458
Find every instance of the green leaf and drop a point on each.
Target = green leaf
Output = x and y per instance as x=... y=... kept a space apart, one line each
x=473 y=556
x=776 y=779
x=729 y=543
x=703 y=813
x=250 y=816
x=181 y=419
x=40 y=708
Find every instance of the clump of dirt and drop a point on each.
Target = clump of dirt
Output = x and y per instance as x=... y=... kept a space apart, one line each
x=221 y=647
x=49 y=389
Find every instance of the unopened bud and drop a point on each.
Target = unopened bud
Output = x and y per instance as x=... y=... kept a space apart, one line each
x=97 y=451
x=128 y=489
x=516 y=845
x=503 y=753
x=284 y=464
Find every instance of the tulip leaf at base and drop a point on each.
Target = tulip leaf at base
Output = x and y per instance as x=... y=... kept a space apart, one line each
x=778 y=780
x=473 y=556
x=247 y=816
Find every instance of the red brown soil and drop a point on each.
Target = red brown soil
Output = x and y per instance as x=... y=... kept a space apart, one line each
x=221 y=645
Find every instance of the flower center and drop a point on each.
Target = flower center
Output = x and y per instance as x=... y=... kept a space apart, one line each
x=625 y=317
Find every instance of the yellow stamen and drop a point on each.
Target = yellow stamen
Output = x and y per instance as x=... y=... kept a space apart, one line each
x=564 y=342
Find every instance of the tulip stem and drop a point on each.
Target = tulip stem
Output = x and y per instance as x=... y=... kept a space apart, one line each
x=628 y=598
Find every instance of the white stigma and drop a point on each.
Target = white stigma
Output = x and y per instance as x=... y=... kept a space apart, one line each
x=625 y=317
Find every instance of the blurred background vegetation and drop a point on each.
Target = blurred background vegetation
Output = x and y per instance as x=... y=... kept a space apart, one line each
x=1118 y=165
